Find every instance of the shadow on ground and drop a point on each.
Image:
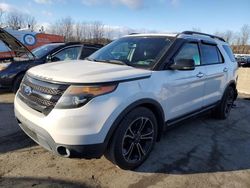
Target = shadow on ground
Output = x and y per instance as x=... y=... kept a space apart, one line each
x=11 y=136
x=204 y=145
x=38 y=182
x=15 y=141
x=4 y=91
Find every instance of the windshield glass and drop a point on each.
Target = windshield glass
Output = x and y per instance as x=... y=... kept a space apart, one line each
x=41 y=51
x=134 y=51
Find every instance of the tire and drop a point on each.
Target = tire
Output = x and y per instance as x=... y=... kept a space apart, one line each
x=133 y=140
x=17 y=83
x=223 y=110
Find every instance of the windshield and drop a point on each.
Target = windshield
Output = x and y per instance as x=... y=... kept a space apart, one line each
x=134 y=51
x=41 y=51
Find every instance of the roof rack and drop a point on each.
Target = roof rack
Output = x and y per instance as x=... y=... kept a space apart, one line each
x=204 y=34
x=133 y=33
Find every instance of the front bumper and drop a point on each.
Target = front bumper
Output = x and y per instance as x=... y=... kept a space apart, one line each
x=43 y=138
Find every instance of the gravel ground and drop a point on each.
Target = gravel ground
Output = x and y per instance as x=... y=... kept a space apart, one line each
x=202 y=152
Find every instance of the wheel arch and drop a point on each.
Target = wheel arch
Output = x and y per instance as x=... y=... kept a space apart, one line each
x=17 y=75
x=232 y=84
x=13 y=87
x=150 y=104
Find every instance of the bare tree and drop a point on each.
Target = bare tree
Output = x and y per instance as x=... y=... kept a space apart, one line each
x=237 y=43
x=228 y=36
x=64 y=27
x=97 y=31
x=30 y=22
x=1 y=17
x=245 y=34
x=108 y=32
x=15 y=20
x=78 y=32
x=244 y=38
x=67 y=24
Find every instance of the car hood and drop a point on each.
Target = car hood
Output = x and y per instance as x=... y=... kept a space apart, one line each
x=83 y=71
x=14 y=44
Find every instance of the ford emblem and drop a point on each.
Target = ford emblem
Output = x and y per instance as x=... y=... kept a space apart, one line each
x=27 y=90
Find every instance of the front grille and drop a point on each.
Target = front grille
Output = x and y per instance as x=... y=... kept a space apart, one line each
x=40 y=95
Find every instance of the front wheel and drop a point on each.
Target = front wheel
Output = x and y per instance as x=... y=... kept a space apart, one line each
x=134 y=139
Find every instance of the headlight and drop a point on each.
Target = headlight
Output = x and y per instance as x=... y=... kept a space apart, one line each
x=77 y=96
x=4 y=66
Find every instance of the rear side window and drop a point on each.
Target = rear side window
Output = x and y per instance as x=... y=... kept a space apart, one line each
x=210 y=54
x=229 y=53
x=87 y=52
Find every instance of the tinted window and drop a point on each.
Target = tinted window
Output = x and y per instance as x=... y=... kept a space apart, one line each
x=135 y=51
x=41 y=51
x=189 y=51
x=87 y=52
x=210 y=54
x=67 y=54
x=229 y=52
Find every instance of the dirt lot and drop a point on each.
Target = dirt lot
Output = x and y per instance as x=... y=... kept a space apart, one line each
x=200 y=153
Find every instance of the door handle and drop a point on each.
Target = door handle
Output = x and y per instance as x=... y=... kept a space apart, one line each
x=225 y=69
x=200 y=75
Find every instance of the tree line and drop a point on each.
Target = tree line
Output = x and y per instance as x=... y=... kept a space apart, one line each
x=97 y=32
x=239 y=41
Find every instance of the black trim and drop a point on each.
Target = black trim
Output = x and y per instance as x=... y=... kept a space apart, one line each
x=86 y=151
x=192 y=114
x=94 y=83
x=166 y=58
x=45 y=83
x=204 y=34
x=209 y=42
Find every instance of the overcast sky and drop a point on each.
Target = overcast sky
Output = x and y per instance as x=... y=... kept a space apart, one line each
x=160 y=15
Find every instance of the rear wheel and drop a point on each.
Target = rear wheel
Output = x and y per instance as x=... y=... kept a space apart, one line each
x=17 y=82
x=223 y=110
x=134 y=139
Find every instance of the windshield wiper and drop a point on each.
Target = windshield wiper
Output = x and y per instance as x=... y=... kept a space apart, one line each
x=116 y=62
x=89 y=59
x=112 y=61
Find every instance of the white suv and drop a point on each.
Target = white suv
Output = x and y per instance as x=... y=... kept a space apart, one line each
x=118 y=101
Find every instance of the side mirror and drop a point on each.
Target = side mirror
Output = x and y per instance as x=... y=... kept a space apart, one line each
x=183 y=64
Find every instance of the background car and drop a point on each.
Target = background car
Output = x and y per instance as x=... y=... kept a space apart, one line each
x=246 y=63
x=243 y=61
x=13 y=69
